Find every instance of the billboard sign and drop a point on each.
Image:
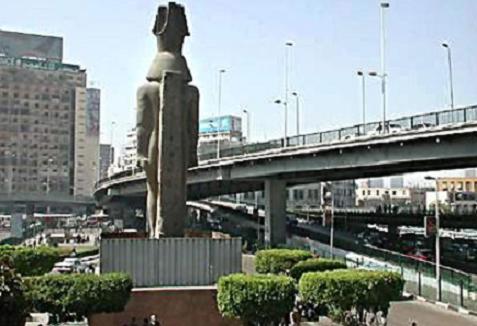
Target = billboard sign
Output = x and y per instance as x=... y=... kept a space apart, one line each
x=19 y=45
x=223 y=124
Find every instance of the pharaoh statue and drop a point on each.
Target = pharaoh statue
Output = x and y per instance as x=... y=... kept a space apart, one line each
x=167 y=126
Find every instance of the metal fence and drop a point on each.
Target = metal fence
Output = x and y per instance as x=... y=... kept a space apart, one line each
x=455 y=287
x=172 y=261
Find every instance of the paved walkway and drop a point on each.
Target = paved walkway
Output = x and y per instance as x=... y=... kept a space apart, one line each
x=426 y=314
x=423 y=313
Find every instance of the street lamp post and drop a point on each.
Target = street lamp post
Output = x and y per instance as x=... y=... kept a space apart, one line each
x=451 y=84
x=363 y=97
x=286 y=121
x=297 y=103
x=219 y=108
x=288 y=46
x=248 y=124
x=383 y=89
x=383 y=74
x=438 y=244
x=384 y=6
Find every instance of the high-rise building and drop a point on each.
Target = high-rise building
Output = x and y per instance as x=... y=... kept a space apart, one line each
x=376 y=183
x=396 y=182
x=470 y=173
x=86 y=142
x=49 y=120
x=106 y=154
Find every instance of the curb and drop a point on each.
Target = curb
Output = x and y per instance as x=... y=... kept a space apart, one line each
x=444 y=305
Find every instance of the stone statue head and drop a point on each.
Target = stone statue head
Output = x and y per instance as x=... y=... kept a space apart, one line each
x=170 y=27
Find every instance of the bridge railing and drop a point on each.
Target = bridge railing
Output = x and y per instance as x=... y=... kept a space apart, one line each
x=416 y=122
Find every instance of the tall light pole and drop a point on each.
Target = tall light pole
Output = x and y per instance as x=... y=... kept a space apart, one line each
x=438 y=243
x=248 y=124
x=383 y=75
x=288 y=46
x=363 y=96
x=286 y=121
x=297 y=103
x=219 y=108
x=451 y=84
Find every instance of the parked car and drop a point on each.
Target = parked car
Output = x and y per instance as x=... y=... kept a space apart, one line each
x=63 y=268
x=69 y=265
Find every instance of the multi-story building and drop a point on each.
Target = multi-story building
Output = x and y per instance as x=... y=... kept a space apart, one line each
x=396 y=182
x=375 y=183
x=48 y=119
x=402 y=199
x=309 y=196
x=106 y=154
x=227 y=129
x=379 y=197
x=457 y=184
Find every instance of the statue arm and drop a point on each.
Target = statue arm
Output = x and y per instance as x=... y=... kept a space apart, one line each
x=147 y=105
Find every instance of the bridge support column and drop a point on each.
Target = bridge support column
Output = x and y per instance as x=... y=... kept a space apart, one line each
x=275 y=212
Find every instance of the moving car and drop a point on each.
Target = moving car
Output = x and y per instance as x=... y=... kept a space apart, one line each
x=422 y=125
x=391 y=128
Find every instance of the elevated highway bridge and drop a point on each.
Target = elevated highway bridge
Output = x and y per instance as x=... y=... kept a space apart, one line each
x=347 y=153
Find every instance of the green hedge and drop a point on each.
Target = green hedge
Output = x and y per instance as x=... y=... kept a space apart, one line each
x=73 y=297
x=31 y=261
x=341 y=290
x=315 y=265
x=256 y=298
x=13 y=306
x=279 y=260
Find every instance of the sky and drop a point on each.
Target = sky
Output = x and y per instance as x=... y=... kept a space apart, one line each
x=332 y=40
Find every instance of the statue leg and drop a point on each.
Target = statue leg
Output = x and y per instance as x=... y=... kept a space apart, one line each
x=151 y=200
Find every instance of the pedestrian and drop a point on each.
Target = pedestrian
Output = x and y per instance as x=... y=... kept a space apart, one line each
x=154 y=321
x=133 y=322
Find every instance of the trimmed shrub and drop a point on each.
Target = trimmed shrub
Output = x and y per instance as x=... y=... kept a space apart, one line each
x=13 y=306
x=341 y=290
x=255 y=298
x=31 y=261
x=315 y=265
x=73 y=297
x=278 y=261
